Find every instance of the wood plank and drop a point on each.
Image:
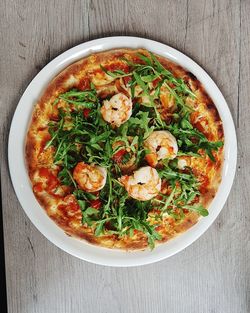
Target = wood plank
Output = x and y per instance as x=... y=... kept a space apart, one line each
x=210 y=276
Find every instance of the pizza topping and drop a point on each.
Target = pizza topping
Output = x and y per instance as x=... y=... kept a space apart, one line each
x=86 y=112
x=96 y=204
x=72 y=203
x=167 y=100
x=38 y=187
x=161 y=145
x=124 y=154
x=123 y=115
x=81 y=99
x=99 y=78
x=127 y=79
x=143 y=185
x=49 y=181
x=118 y=156
x=90 y=178
x=182 y=163
x=117 y=110
x=84 y=84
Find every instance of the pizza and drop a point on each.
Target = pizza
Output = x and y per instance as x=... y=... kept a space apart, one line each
x=125 y=149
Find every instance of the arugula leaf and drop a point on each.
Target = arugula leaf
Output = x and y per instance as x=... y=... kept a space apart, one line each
x=66 y=177
x=115 y=73
x=197 y=208
x=100 y=227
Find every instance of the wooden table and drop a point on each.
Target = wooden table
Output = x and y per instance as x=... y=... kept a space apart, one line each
x=212 y=275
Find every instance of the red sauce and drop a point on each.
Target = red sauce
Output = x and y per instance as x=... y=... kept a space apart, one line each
x=200 y=124
x=137 y=60
x=54 y=116
x=86 y=112
x=200 y=127
x=118 y=156
x=84 y=84
x=136 y=231
x=117 y=66
x=156 y=81
x=70 y=211
x=44 y=172
x=45 y=139
x=72 y=203
x=96 y=204
x=42 y=128
x=38 y=187
x=159 y=228
x=151 y=158
x=127 y=79
x=52 y=181
x=204 y=180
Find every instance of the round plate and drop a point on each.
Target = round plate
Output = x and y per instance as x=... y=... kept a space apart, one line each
x=22 y=185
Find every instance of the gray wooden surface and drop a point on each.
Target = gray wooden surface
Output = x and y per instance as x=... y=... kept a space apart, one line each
x=212 y=275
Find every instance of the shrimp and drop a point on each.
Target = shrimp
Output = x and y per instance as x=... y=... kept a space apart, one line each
x=183 y=162
x=161 y=144
x=90 y=178
x=117 y=110
x=143 y=185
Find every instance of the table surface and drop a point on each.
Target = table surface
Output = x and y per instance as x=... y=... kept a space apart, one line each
x=212 y=275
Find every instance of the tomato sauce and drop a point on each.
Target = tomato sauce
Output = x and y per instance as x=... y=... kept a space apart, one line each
x=86 y=112
x=127 y=79
x=96 y=204
x=118 y=156
x=84 y=84
x=51 y=182
x=204 y=180
x=117 y=66
x=45 y=139
x=156 y=81
x=38 y=187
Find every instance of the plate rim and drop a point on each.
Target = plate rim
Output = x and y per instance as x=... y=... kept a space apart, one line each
x=55 y=66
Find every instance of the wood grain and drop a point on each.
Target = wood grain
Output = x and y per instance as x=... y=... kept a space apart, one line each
x=210 y=276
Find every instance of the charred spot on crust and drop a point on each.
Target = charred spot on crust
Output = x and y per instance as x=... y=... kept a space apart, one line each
x=192 y=76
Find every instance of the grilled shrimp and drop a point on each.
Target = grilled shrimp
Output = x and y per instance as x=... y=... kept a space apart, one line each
x=161 y=144
x=143 y=185
x=117 y=110
x=90 y=178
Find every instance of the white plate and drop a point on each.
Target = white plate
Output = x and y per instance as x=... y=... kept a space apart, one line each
x=22 y=185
